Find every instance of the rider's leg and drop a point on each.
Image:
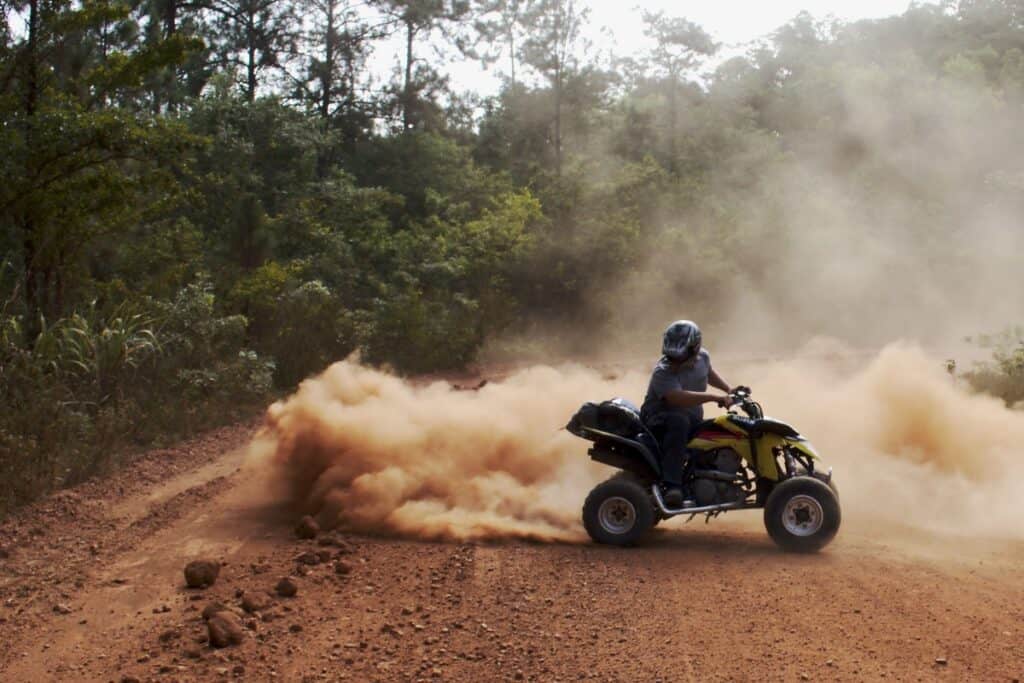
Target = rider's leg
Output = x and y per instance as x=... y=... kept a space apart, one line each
x=676 y=429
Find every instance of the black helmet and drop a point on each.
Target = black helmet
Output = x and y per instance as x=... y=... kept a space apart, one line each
x=681 y=341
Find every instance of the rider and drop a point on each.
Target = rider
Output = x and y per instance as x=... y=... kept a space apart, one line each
x=673 y=406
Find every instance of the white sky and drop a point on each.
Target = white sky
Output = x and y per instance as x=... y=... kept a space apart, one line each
x=730 y=22
x=733 y=21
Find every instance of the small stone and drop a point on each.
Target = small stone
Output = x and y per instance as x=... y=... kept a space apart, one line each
x=335 y=541
x=238 y=670
x=169 y=635
x=342 y=567
x=286 y=588
x=295 y=628
x=941 y=661
x=61 y=608
x=201 y=573
x=254 y=602
x=308 y=558
x=225 y=629
x=213 y=608
x=307 y=528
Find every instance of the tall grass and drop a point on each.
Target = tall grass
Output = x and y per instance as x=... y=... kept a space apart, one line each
x=88 y=388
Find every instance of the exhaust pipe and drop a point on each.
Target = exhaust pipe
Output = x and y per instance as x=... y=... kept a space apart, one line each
x=669 y=512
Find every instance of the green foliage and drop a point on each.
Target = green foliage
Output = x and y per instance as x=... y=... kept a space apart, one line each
x=1003 y=376
x=88 y=386
x=190 y=226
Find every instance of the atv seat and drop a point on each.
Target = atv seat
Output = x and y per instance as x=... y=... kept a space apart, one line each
x=704 y=426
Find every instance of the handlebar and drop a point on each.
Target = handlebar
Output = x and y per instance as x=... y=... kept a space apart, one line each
x=741 y=398
x=740 y=392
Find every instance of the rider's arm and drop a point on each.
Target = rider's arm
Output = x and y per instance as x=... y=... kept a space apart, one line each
x=715 y=380
x=680 y=398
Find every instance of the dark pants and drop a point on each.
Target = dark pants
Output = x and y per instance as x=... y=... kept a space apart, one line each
x=673 y=432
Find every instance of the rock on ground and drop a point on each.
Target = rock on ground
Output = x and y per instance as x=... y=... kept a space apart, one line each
x=307 y=528
x=225 y=629
x=213 y=608
x=201 y=573
x=286 y=588
x=255 y=602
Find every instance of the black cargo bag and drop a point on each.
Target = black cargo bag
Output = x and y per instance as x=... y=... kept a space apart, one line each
x=618 y=416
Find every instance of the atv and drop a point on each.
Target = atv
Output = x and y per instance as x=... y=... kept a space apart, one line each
x=735 y=462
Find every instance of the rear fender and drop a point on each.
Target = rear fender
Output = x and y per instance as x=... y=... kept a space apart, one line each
x=644 y=454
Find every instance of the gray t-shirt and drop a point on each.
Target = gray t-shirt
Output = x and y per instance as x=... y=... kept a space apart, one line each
x=692 y=376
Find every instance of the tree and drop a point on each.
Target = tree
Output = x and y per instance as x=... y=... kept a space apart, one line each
x=254 y=35
x=418 y=19
x=75 y=169
x=502 y=22
x=334 y=53
x=679 y=47
x=550 y=49
x=168 y=20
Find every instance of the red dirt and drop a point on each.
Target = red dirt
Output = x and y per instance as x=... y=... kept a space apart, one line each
x=93 y=590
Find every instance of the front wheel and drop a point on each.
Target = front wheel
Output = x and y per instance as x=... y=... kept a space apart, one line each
x=618 y=512
x=802 y=514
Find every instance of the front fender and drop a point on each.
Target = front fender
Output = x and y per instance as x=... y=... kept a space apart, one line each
x=804 y=446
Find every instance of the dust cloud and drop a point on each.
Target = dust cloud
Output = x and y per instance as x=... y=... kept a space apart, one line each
x=374 y=453
x=911 y=447
x=365 y=449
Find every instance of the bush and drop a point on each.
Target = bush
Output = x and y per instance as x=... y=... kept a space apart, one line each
x=1003 y=376
x=87 y=386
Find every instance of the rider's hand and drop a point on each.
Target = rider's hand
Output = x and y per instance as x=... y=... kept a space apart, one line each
x=724 y=401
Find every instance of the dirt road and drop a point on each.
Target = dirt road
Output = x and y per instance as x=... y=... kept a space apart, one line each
x=91 y=589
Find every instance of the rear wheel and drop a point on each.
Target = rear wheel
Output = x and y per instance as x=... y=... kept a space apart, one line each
x=645 y=484
x=802 y=514
x=618 y=512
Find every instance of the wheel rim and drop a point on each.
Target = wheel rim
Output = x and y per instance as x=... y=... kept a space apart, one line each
x=616 y=515
x=803 y=515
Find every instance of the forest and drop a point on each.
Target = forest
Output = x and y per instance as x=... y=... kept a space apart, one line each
x=205 y=201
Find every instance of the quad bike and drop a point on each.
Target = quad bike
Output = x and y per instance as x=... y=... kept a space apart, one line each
x=735 y=463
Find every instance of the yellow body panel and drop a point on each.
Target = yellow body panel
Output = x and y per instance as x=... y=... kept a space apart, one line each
x=738 y=440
